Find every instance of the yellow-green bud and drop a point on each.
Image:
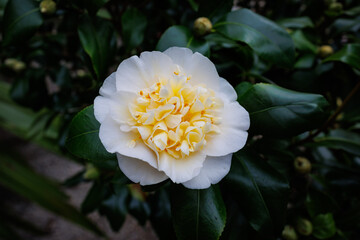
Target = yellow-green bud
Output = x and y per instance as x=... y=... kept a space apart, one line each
x=289 y=233
x=325 y=51
x=304 y=227
x=47 y=7
x=202 y=26
x=91 y=172
x=15 y=65
x=336 y=7
x=302 y=165
x=81 y=73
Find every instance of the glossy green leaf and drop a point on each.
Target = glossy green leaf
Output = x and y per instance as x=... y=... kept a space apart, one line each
x=23 y=181
x=281 y=112
x=84 y=142
x=355 y=11
x=305 y=61
x=197 y=214
x=214 y=9
x=319 y=202
x=350 y=54
x=324 y=226
x=298 y=22
x=114 y=207
x=95 y=196
x=180 y=36
x=21 y=20
x=267 y=39
x=302 y=43
x=340 y=139
x=133 y=24
x=98 y=39
x=261 y=191
x=342 y=25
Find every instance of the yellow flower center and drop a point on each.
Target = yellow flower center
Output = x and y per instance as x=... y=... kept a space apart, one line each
x=174 y=116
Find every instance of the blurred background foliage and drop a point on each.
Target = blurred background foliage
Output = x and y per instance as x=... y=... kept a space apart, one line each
x=295 y=65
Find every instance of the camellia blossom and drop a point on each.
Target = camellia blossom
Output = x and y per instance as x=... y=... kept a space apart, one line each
x=169 y=115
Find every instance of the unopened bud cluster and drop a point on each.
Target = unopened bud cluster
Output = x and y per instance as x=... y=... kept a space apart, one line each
x=202 y=26
x=14 y=64
x=48 y=7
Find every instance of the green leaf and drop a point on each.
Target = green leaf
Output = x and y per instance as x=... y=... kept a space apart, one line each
x=214 y=9
x=21 y=20
x=355 y=11
x=281 y=112
x=197 y=214
x=319 y=202
x=342 y=25
x=267 y=39
x=350 y=54
x=84 y=142
x=261 y=191
x=94 y=197
x=324 y=226
x=23 y=181
x=133 y=24
x=302 y=43
x=298 y=22
x=98 y=39
x=305 y=61
x=340 y=139
x=180 y=36
x=114 y=207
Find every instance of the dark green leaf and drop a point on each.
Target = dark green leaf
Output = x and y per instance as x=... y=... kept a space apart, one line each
x=180 y=36
x=266 y=38
x=214 y=9
x=340 y=139
x=114 y=207
x=324 y=226
x=99 y=41
x=21 y=180
x=84 y=142
x=318 y=202
x=298 y=22
x=281 y=112
x=305 y=61
x=342 y=25
x=94 y=197
x=302 y=43
x=133 y=24
x=355 y=11
x=21 y=20
x=261 y=191
x=161 y=215
x=350 y=54
x=197 y=214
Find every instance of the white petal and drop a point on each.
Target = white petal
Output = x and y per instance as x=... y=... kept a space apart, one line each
x=183 y=169
x=213 y=170
x=135 y=74
x=199 y=67
x=232 y=137
x=115 y=140
x=114 y=106
x=101 y=108
x=226 y=91
x=109 y=86
x=139 y=171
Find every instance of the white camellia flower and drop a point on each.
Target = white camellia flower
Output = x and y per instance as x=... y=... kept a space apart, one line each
x=169 y=115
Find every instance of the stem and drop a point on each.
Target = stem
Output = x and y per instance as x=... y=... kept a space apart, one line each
x=332 y=117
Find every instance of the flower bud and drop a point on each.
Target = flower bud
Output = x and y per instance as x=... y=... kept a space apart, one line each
x=302 y=165
x=336 y=7
x=47 y=7
x=289 y=233
x=15 y=65
x=91 y=172
x=81 y=73
x=202 y=26
x=325 y=51
x=304 y=227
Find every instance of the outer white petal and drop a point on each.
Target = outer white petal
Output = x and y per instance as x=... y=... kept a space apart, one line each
x=235 y=121
x=213 y=170
x=226 y=91
x=115 y=140
x=135 y=74
x=114 y=105
x=139 y=171
x=201 y=69
x=181 y=170
x=109 y=86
